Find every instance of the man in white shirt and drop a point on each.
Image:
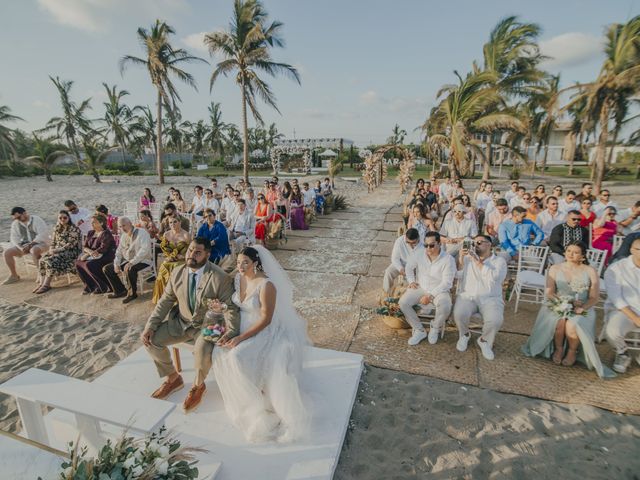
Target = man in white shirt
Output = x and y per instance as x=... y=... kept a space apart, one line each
x=568 y=203
x=228 y=204
x=456 y=228
x=603 y=203
x=623 y=304
x=81 y=217
x=513 y=192
x=485 y=197
x=629 y=219
x=197 y=204
x=550 y=217
x=309 y=196
x=481 y=277
x=29 y=235
x=242 y=229
x=518 y=200
x=491 y=206
x=134 y=253
x=496 y=217
x=430 y=272
x=251 y=200
x=216 y=189
x=403 y=248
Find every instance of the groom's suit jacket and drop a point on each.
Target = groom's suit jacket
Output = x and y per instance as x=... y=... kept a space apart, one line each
x=173 y=306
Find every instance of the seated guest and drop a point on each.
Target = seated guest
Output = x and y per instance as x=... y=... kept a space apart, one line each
x=320 y=200
x=559 y=335
x=112 y=221
x=482 y=276
x=134 y=253
x=587 y=217
x=566 y=234
x=169 y=197
x=586 y=193
x=625 y=249
x=168 y=213
x=623 y=304
x=146 y=200
x=250 y=199
x=210 y=201
x=216 y=189
x=262 y=215
x=282 y=203
x=174 y=244
x=228 y=204
x=216 y=234
x=403 y=248
x=99 y=250
x=496 y=217
x=243 y=227
x=513 y=191
x=518 y=232
x=540 y=193
x=534 y=209
x=568 y=203
x=197 y=204
x=178 y=201
x=604 y=202
x=430 y=273
x=455 y=229
x=309 y=197
x=297 y=210
x=557 y=192
x=29 y=235
x=519 y=199
x=66 y=245
x=629 y=219
x=604 y=229
x=272 y=195
x=550 y=217
x=146 y=222
x=80 y=217
x=420 y=221
x=326 y=189
x=491 y=206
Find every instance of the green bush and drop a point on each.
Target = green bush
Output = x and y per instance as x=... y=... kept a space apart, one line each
x=514 y=174
x=178 y=164
x=61 y=171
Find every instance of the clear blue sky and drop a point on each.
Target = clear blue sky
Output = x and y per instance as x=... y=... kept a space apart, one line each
x=365 y=64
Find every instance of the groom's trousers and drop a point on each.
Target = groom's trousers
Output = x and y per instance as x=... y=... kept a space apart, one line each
x=162 y=357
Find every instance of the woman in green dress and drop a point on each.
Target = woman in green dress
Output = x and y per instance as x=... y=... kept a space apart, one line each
x=174 y=244
x=567 y=337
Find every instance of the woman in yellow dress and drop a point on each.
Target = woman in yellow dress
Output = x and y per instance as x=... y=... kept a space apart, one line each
x=174 y=244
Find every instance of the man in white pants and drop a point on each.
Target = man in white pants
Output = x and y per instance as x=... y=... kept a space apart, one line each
x=623 y=304
x=430 y=272
x=482 y=276
x=403 y=248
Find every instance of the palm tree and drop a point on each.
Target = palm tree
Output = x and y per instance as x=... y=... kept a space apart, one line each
x=95 y=153
x=6 y=134
x=397 y=135
x=142 y=130
x=45 y=154
x=245 y=48
x=234 y=142
x=618 y=81
x=547 y=98
x=161 y=62
x=272 y=136
x=73 y=120
x=198 y=132
x=117 y=117
x=215 y=138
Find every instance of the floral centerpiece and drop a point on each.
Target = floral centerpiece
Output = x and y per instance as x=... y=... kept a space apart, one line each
x=564 y=306
x=392 y=315
x=158 y=457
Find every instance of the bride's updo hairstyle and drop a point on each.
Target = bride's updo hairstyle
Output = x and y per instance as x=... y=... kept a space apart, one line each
x=253 y=255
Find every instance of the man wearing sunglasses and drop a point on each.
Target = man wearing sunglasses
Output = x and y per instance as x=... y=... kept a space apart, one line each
x=565 y=234
x=482 y=276
x=403 y=248
x=604 y=202
x=430 y=273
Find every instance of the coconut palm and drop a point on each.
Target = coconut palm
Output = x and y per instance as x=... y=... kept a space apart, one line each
x=618 y=81
x=6 y=134
x=162 y=62
x=233 y=142
x=272 y=136
x=547 y=98
x=142 y=130
x=197 y=133
x=215 y=138
x=245 y=48
x=95 y=153
x=397 y=135
x=73 y=120
x=45 y=154
x=117 y=117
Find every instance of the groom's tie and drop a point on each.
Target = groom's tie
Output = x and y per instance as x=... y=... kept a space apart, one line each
x=192 y=292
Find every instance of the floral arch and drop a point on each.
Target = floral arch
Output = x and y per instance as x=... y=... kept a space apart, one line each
x=375 y=170
x=279 y=150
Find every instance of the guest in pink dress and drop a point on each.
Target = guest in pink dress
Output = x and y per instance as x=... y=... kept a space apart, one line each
x=604 y=229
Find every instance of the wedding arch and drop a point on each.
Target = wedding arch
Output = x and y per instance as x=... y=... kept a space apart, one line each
x=279 y=150
x=375 y=166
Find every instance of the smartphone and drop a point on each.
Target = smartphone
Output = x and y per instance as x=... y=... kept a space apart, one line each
x=467 y=243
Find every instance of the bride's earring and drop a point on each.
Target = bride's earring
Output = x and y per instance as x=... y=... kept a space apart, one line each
x=255 y=269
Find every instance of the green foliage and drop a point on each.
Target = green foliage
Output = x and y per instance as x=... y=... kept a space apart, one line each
x=514 y=174
x=628 y=158
x=339 y=202
x=180 y=164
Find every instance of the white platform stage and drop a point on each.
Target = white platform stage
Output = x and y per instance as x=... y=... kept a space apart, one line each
x=330 y=382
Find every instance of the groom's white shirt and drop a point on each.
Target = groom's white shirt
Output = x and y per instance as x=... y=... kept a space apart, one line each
x=435 y=277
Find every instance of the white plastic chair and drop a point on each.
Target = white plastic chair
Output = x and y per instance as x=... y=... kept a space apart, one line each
x=633 y=339
x=529 y=275
x=617 y=243
x=596 y=258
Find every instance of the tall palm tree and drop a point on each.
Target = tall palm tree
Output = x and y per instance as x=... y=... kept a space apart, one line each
x=45 y=154
x=547 y=98
x=73 y=121
x=233 y=142
x=245 y=48
x=272 y=136
x=95 y=153
x=142 y=130
x=397 y=135
x=161 y=62
x=618 y=80
x=198 y=132
x=6 y=134
x=215 y=138
x=117 y=117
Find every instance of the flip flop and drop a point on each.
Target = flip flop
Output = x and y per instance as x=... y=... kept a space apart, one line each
x=43 y=289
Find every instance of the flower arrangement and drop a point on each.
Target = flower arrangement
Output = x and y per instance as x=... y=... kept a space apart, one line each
x=158 y=457
x=390 y=306
x=564 y=306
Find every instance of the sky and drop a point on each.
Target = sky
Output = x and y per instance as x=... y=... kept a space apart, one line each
x=365 y=64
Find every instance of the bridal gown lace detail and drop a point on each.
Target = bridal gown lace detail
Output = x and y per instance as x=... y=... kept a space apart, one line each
x=258 y=379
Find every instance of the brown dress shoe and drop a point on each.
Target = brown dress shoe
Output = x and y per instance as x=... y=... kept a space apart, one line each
x=167 y=388
x=194 y=397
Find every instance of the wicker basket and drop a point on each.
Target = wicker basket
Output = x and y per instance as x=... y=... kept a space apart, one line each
x=397 y=323
x=272 y=243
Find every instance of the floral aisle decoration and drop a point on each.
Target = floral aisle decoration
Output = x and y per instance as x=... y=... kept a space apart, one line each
x=279 y=150
x=157 y=456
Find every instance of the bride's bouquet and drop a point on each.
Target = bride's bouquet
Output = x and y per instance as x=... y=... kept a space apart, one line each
x=564 y=306
x=213 y=333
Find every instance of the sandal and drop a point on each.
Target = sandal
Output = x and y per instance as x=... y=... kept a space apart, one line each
x=557 y=357
x=43 y=289
x=569 y=363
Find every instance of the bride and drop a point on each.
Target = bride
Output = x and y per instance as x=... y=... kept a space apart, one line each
x=258 y=370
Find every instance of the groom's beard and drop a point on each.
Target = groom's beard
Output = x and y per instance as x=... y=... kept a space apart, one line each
x=192 y=263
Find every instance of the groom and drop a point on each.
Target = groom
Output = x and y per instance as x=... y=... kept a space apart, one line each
x=178 y=317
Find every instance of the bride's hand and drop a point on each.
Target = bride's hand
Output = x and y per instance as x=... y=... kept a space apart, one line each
x=232 y=342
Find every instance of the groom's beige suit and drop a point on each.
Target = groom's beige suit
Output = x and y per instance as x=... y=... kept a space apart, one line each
x=172 y=320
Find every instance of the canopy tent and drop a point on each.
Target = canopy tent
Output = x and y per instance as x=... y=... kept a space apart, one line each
x=328 y=153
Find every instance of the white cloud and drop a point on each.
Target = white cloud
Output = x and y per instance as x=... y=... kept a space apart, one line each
x=195 y=41
x=370 y=97
x=406 y=105
x=41 y=104
x=79 y=14
x=570 y=49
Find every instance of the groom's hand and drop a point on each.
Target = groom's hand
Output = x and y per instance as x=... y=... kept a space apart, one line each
x=146 y=337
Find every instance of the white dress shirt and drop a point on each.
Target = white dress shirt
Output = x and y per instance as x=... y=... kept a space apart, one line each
x=251 y=203
x=198 y=203
x=37 y=231
x=309 y=197
x=483 y=200
x=546 y=221
x=434 y=277
x=401 y=252
x=483 y=282
x=244 y=223
x=452 y=228
x=82 y=220
x=622 y=280
x=566 y=207
x=634 y=226
x=211 y=203
x=509 y=195
x=599 y=207
x=517 y=201
x=134 y=248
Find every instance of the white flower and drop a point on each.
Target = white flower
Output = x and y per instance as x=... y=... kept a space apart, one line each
x=163 y=451
x=136 y=471
x=162 y=466
x=153 y=446
x=565 y=306
x=68 y=472
x=129 y=462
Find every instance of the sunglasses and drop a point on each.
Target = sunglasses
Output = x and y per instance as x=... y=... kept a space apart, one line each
x=430 y=245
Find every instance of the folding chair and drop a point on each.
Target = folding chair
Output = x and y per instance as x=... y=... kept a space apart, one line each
x=617 y=243
x=529 y=275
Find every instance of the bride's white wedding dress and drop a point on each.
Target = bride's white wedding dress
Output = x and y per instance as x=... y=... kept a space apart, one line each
x=258 y=379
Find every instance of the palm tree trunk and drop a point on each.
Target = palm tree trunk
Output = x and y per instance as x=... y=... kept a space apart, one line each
x=544 y=158
x=47 y=174
x=159 y=165
x=74 y=148
x=570 y=151
x=96 y=176
x=245 y=140
x=613 y=144
x=486 y=172
x=601 y=149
